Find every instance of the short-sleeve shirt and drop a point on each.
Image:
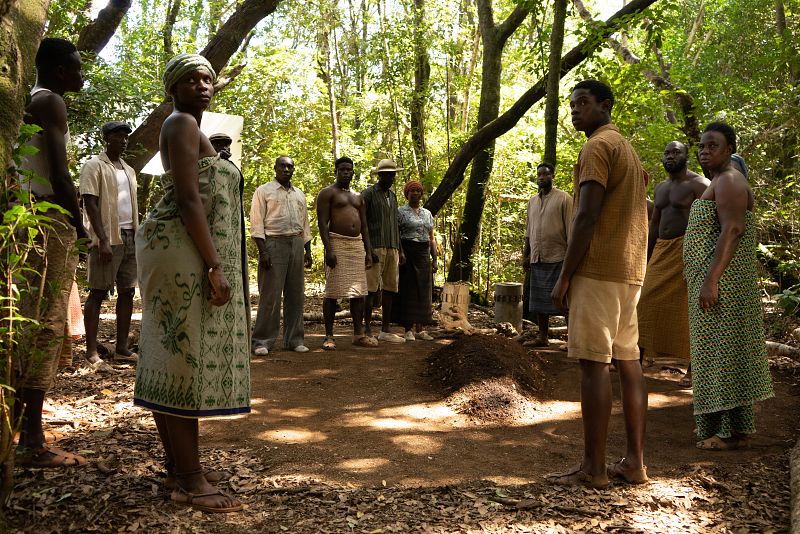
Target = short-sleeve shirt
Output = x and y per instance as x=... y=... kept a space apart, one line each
x=618 y=249
x=381 y=217
x=415 y=226
x=548 y=225
x=99 y=179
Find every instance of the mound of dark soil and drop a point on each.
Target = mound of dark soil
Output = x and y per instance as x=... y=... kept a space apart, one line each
x=489 y=378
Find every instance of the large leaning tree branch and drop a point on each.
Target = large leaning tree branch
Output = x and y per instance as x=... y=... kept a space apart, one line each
x=502 y=124
x=662 y=82
x=96 y=35
x=143 y=142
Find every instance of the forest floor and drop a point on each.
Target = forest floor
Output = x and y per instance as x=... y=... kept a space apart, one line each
x=427 y=436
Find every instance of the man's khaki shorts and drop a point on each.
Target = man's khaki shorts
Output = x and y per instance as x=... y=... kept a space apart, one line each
x=386 y=273
x=603 y=324
x=120 y=271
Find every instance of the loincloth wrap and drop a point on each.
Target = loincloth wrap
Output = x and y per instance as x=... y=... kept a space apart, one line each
x=664 y=307
x=349 y=278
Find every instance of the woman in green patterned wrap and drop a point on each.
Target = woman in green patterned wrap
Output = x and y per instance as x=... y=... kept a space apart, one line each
x=726 y=329
x=194 y=342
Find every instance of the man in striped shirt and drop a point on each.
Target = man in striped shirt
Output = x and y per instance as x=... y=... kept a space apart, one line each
x=387 y=255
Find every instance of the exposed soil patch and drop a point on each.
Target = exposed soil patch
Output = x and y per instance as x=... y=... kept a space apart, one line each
x=471 y=359
x=489 y=378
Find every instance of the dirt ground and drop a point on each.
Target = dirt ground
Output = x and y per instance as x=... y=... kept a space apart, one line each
x=366 y=440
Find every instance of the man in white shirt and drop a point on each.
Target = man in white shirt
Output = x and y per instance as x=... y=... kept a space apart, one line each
x=108 y=189
x=280 y=228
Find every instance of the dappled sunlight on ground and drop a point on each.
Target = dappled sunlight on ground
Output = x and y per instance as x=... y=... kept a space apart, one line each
x=292 y=435
x=298 y=412
x=362 y=465
x=418 y=444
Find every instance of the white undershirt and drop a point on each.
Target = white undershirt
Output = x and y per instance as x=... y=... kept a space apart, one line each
x=124 y=206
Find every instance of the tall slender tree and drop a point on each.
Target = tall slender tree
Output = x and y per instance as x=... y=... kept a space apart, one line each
x=494 y=37
x=422 y=76
x=551 y=104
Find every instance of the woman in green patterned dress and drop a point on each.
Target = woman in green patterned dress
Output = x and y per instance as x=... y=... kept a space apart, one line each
x=194 y=342
x=726 y=328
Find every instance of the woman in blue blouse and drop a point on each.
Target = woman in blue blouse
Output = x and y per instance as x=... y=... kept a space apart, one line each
x=414 y=300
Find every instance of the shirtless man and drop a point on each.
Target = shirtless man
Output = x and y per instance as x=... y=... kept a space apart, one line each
x=341 y=218
x=663 y=308
x=58 y=70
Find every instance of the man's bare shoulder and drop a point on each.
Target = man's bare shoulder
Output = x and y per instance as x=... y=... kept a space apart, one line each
x=694 y=177
x=47 y=108
x=326 y=192
x=698 y=183
x=662 y=186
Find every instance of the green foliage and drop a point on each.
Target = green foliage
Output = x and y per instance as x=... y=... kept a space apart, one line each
x=21 y=224
x=789 y=300
x=735 y=67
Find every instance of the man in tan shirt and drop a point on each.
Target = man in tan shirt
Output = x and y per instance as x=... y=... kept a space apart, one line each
x=546 y=234
x=108 y=189
x=280 y=228
x=601 y=281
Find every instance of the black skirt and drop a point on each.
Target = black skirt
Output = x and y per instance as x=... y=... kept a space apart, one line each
x=413 y=302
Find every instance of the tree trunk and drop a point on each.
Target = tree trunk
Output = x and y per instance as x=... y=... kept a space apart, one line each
x=169 y=23
x=785 y=36
x=553 y=81
x=96 y=35
x=21 y=28
x=143 y=142
x=326 y=73
x=485 y=135
x=422 y=76
x=494 y=40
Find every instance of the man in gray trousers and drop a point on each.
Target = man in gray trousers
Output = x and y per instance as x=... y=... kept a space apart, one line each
x=280 y=228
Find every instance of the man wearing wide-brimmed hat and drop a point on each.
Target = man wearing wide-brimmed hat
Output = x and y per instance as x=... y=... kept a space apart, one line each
x=387 y=255
x=108 y=189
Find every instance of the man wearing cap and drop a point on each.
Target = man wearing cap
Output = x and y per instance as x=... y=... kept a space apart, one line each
x=279 y=226
x=222 y=144
x=108 y=189
x=387 y=255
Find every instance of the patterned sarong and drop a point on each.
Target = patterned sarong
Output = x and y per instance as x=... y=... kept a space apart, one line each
x=543 y=279
x=730 y=371
x=663 y=309
x=194 y=357
x=349 y=278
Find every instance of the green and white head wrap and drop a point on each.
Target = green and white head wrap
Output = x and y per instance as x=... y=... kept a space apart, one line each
x=182 y=64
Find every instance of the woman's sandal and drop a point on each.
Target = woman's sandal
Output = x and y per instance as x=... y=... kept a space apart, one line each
x=48 y=456
x=365 y=341
x=631 y=476
x=186 y=498
x=329 y=343
x=716 y=443
x=212 y=476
